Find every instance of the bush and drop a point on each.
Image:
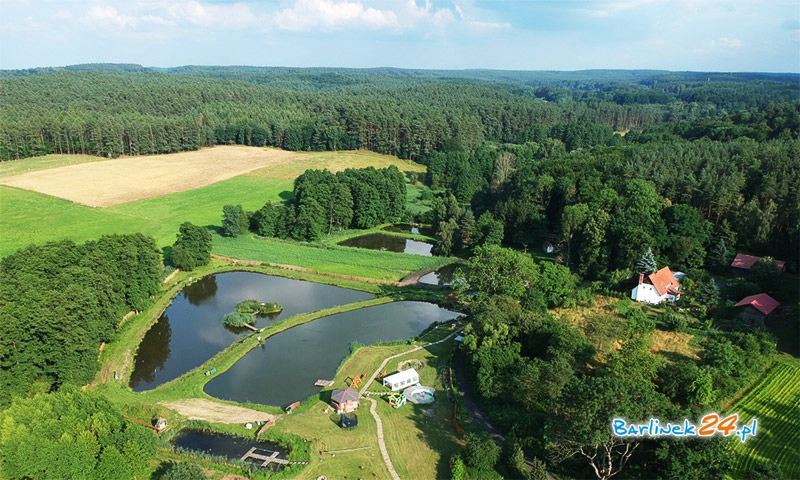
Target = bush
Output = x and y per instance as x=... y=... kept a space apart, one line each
x=237 y=319
x=674 y=321
x=192 y=248
x=459 y=470
x=183 y=471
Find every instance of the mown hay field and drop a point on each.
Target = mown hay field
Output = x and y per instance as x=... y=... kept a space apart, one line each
x=775 y=402
x=28 y=217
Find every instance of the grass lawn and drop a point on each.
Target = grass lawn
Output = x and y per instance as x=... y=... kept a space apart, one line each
x=775 y=402
x=357 y=262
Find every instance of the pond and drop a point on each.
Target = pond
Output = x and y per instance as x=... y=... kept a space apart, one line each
x=221 y=445
x=285 y=368
x=190 y=331
x=379 y=241
x=442 y=277
x=409 y=228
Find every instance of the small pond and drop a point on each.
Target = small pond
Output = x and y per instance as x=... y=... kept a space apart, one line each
x=379 y=241
x=227 y=446
x=190 y=331
x=409 y=228
x=442 y=277
x=285 y=368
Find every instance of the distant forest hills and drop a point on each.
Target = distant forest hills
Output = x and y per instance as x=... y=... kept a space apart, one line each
x=321 y=77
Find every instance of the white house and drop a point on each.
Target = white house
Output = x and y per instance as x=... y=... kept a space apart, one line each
x=657 y=287
x=400 y=380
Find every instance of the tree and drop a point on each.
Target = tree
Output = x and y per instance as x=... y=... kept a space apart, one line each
x=493 y=270
x=765 y=273
x=72 y=434
x=480 y=451
x=234 y=220
x=466 y=230
x=490 y=230
x=458 y=470
x=446 y=238
x=556 y=283
x=192 y=248
x=647 y=262
x=183 y=471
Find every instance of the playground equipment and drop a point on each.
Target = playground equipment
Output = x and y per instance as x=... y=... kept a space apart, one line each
x=356 y=381
x=348 y=421
x=397 y=400
x=419 y=395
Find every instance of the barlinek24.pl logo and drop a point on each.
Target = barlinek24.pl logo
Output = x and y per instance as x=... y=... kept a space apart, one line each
x=710 y=425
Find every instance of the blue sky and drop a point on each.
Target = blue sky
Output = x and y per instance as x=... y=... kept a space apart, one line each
x=745 y=35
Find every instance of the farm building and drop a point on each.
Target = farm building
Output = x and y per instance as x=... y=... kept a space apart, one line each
x=401 y=380
x=743 y=263
x=657 y=287
x=345 y=400
x=756 y=308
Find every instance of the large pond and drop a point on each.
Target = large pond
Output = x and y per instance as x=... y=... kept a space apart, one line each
x=226 y=446
x=380 y=241
x=285 y=368
x=191 y=331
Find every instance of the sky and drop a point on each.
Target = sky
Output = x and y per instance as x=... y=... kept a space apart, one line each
x=700 y=35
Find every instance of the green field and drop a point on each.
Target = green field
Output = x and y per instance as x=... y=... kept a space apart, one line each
x=775 y=402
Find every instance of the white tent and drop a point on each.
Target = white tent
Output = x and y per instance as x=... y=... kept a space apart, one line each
x=401 y=380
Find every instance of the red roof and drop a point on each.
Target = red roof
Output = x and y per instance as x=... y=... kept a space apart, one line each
x=745 y=262
x=664 y=281
x=761 y=302
x=347 y=394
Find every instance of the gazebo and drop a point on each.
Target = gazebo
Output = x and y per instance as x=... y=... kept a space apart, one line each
x=345 y=400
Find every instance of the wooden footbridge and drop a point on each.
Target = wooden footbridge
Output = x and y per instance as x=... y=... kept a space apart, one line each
x=270 y=457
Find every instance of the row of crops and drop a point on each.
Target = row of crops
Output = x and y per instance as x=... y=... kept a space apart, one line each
x=775 y=402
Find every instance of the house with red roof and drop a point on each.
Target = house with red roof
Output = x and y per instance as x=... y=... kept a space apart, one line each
x=657 y=287
x=744 y=262
x=756 y=308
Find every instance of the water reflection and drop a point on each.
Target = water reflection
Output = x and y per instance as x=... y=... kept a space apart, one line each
x=379 y=241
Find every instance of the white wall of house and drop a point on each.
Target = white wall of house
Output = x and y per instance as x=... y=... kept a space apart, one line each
x=646 y=293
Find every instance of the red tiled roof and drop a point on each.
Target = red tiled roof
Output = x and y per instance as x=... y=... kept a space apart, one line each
x=761 y=302
x=664 y=281
x=745 y=261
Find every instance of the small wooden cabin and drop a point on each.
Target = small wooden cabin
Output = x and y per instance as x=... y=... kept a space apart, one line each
x=345 y=400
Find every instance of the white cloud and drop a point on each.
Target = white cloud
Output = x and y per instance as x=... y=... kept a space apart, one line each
x=229 y=16
x=333 y=15
x=608 y=8
x=480 y=25
x=106 y=16
x=726 y=42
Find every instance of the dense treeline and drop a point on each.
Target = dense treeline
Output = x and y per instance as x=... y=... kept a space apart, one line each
x=323 y=202
x=59 y=300
x=115 y=110
x=72 y=434
x=695 y=203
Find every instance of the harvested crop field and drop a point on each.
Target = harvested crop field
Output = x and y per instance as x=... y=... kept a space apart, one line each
x=123 y=180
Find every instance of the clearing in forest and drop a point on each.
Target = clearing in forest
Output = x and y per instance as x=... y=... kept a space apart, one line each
x=85 y=180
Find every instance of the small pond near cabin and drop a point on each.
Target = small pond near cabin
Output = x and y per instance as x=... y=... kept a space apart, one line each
x=190 y=331
x=285 y=368
x=442 y=277
x=221 y=445
x=380 y=241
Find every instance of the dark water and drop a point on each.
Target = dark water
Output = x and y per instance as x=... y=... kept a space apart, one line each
x=224 y=445
x=285 y=368
x=191 y=330
x=379 y=241
x=442 y=277
x=408 y=228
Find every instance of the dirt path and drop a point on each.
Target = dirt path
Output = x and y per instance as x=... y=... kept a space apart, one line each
x=381 y=444
x=200 y=409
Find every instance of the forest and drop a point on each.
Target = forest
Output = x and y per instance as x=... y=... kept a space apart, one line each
x=611 y=173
